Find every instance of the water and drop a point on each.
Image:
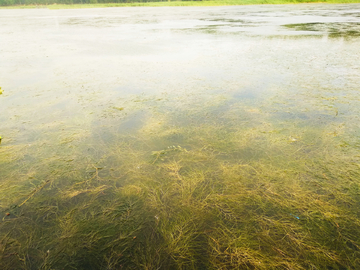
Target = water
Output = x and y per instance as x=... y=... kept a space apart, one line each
x=180 y=137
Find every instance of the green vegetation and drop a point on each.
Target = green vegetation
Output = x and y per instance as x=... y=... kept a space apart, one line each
x=64 y=4
x=208 y=183
x=334 y=30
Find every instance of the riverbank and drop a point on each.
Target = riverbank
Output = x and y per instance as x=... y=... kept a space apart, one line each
x=179 y=3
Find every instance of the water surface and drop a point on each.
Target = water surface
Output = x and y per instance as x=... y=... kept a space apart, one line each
x=180 y=137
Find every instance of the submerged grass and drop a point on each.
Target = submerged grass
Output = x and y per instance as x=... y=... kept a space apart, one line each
x=207 y=184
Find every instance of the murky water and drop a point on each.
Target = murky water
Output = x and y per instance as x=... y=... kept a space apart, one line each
x=142 y=102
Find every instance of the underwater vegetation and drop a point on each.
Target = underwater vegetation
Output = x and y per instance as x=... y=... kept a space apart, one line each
x=348 y=29
x=213 y=182
x=187 y=138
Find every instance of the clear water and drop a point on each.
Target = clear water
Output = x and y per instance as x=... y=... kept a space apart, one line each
x=114 y=108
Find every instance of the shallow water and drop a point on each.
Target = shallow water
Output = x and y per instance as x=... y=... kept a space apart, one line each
x=125 y=95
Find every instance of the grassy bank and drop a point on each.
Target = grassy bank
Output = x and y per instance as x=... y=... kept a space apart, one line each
x=181 y=3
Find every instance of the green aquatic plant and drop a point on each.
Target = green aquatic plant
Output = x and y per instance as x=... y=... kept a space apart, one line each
x=210 y=187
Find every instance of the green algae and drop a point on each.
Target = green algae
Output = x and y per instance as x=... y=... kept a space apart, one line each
x=333 y=30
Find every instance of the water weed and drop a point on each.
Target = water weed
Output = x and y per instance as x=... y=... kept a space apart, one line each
x=185 y=195
x=248 y=160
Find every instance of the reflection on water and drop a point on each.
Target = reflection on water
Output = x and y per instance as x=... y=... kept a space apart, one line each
x=180 y=138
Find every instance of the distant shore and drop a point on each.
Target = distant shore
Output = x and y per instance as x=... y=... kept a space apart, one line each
x=177 y=3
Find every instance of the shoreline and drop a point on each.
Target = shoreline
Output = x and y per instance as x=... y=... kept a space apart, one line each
x=177 y=4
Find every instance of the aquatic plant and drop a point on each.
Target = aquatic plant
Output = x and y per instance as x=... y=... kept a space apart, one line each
x=186 y=190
